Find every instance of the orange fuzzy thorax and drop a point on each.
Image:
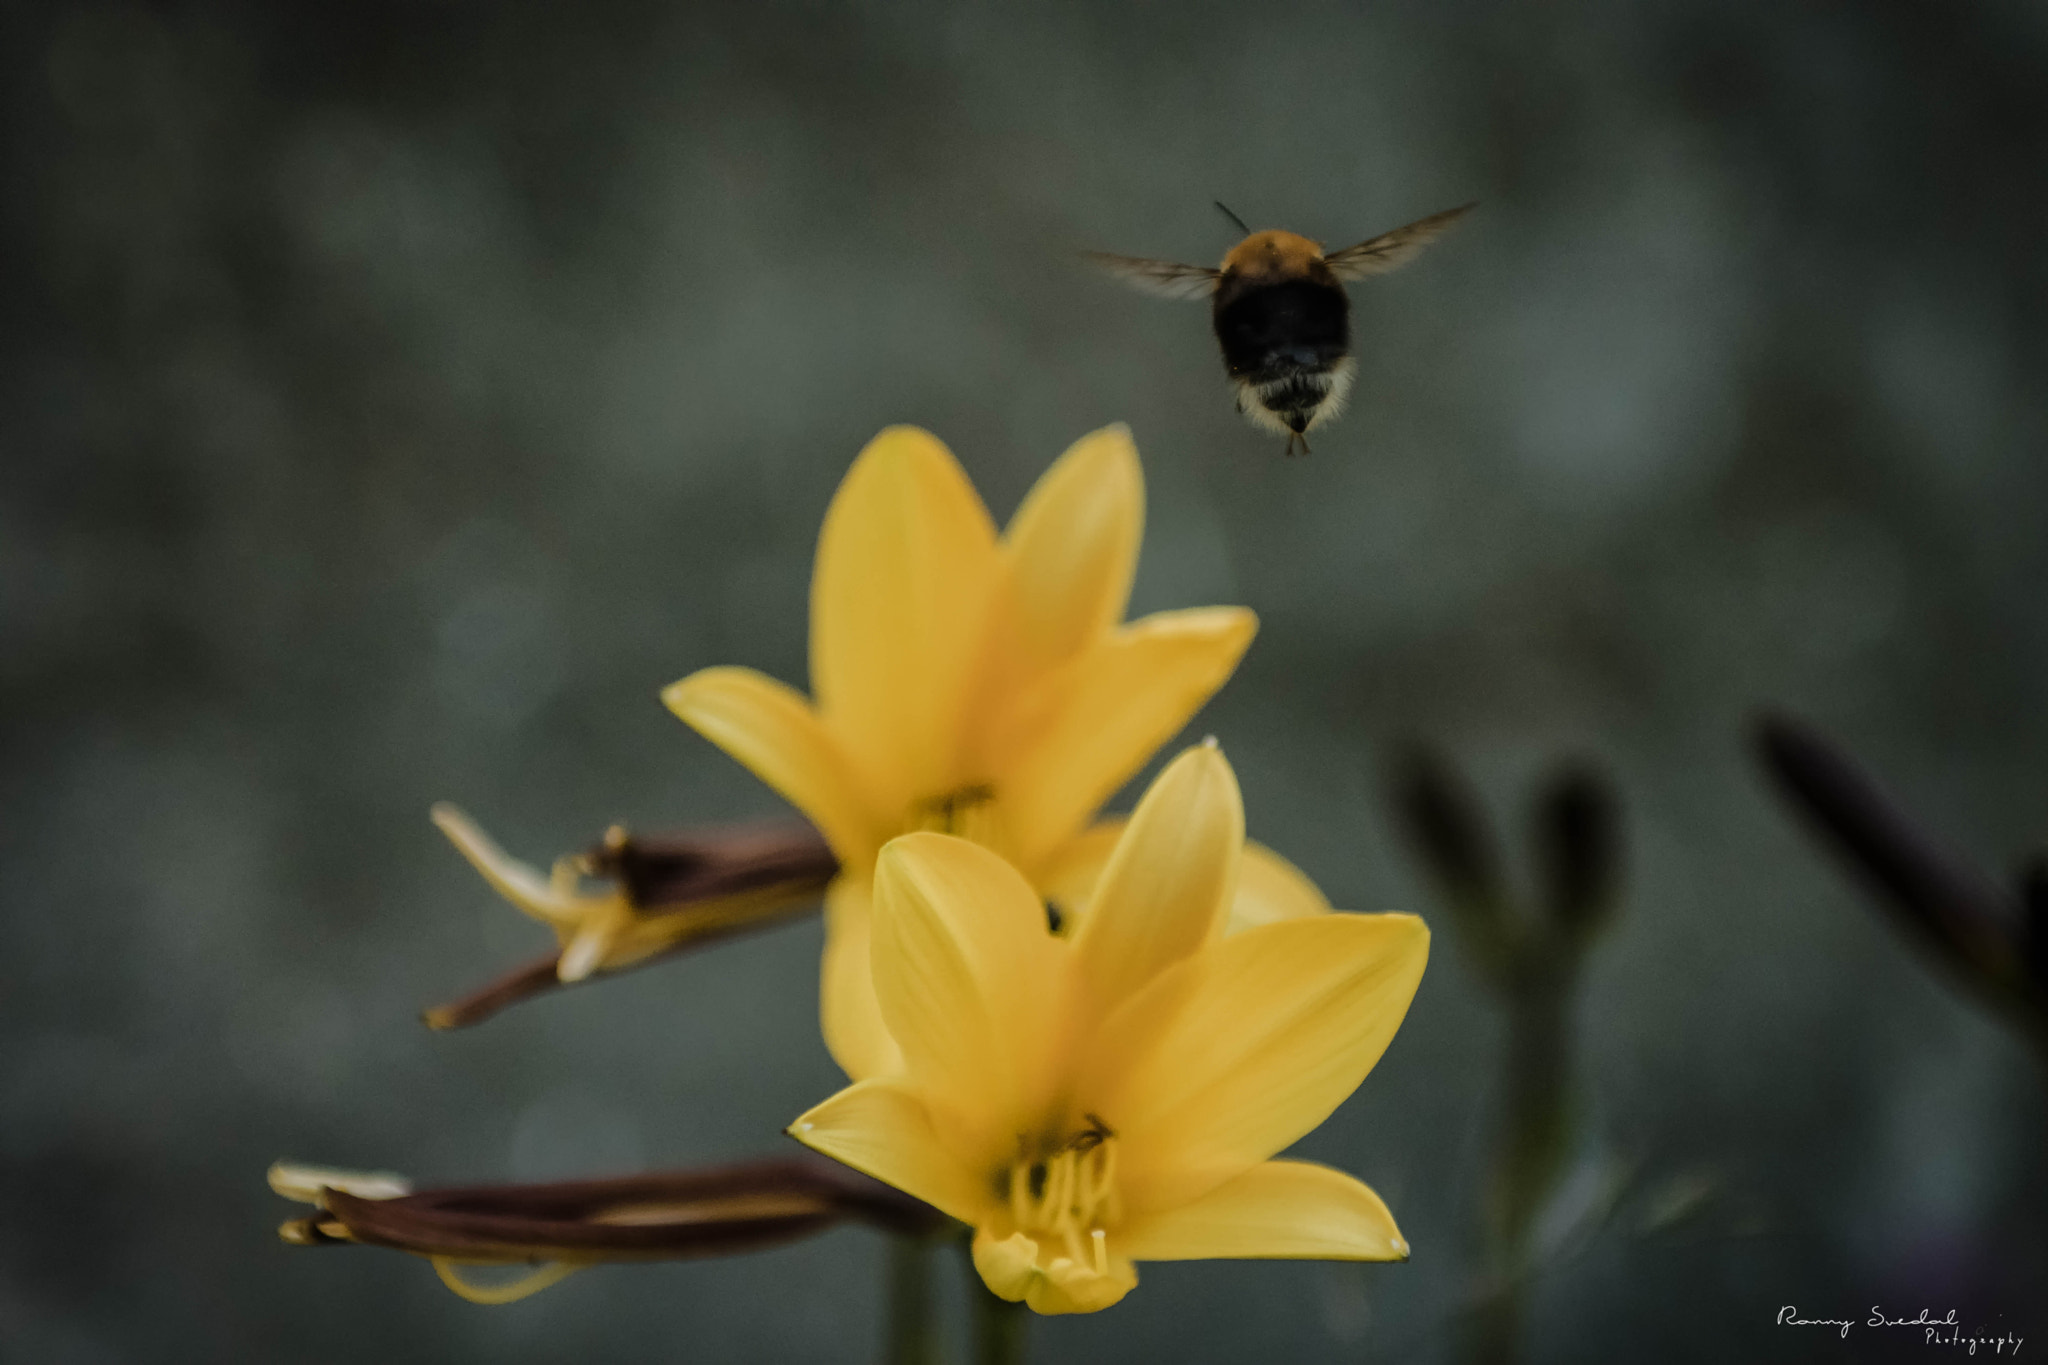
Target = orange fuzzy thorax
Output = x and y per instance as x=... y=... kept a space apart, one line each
x=1274 y=253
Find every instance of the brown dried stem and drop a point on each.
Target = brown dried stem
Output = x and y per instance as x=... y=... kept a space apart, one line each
x=663 y=1215
x=716 y=884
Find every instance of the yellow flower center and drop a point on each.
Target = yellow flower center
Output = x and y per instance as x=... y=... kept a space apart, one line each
x=1068 y=1197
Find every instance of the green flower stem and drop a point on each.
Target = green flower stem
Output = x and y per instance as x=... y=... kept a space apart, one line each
x=913 y=1308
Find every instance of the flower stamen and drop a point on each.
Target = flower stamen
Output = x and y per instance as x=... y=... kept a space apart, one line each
x=1068 y=1196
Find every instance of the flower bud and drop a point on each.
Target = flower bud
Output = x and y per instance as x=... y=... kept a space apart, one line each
x=1577 y=847
x=1443 y=822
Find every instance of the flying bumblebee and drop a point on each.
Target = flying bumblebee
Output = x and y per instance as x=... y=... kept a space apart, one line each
x=1281 y=314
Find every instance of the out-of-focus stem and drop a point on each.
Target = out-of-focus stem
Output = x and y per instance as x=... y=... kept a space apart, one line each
x=1535 y=1136
x=913 y=1318
x=1992 y=942
x=1528 y=956
x=1536 y=1124
x=1001 y=1328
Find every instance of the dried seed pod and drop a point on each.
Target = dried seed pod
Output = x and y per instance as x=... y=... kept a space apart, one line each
x=564 y=1226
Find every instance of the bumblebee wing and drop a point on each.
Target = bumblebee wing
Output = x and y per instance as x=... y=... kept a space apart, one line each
x=1392 y=250
x=1160 y=279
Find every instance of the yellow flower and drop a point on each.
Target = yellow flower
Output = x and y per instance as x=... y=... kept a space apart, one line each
x=1116 y=1095
x=971 y=684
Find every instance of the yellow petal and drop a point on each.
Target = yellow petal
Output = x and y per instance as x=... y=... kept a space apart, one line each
x=1257 y=1041
x=1073 y=546
x=854 y=1032
x=303 y=1182
x=1116 y=704
x=899 y=598
x=1077 y=1287
x=772 y=729
x=1164 y=893
x=1068 y=881
x=969 y=980
x=1270 y=889
x=1007 y=1264
x=1291 y=1209
x=882 y=1127
x=541 y=1277
x=510 y=878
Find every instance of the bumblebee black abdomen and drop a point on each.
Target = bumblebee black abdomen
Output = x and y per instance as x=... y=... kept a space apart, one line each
x=1287 y=344
x=1271 y=331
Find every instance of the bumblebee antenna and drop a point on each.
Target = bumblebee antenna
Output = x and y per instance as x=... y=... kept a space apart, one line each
x=1224 y=209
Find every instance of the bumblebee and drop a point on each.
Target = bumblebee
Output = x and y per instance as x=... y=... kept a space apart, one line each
x=1281 y=314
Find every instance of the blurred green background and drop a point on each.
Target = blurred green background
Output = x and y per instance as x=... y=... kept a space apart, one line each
x=397 y=395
